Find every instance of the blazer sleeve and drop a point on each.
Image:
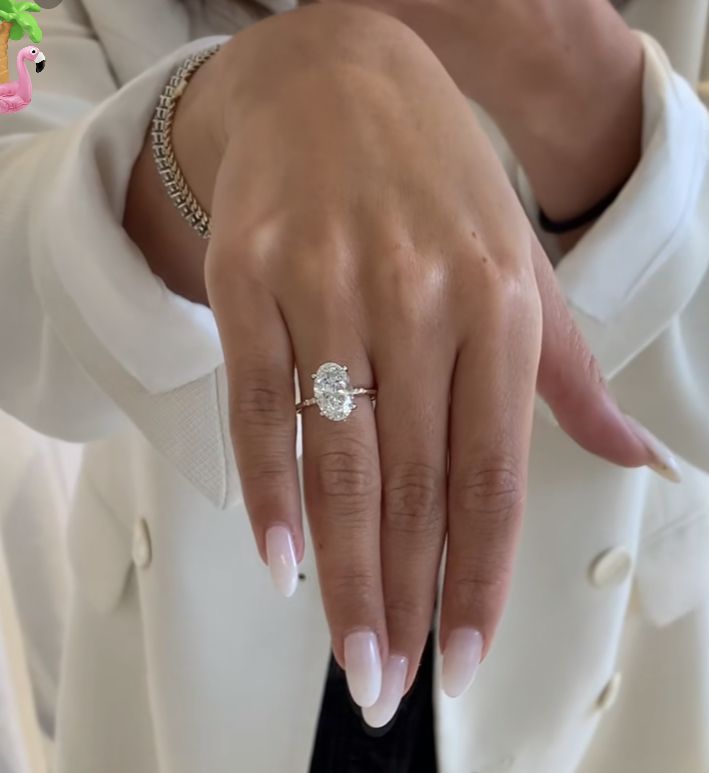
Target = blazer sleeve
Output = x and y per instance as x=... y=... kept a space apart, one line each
x=65 y=162
x=638 y=281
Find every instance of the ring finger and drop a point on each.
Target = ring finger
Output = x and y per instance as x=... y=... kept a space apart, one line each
x=342 y=496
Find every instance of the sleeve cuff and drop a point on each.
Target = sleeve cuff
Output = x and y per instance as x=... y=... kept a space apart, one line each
x=624 y=280
x=161 y=339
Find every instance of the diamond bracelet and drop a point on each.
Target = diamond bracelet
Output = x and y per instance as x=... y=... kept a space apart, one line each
x=163 y=152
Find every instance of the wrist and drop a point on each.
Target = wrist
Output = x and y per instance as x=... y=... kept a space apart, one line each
x=570 y=105
x=254 y=71
x=523 y=53
x=173 y=250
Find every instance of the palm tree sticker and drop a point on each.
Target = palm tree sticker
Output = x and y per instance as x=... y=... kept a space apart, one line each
x=16 y=21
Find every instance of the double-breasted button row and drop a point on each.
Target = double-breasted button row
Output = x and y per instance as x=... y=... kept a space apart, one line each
x=612 y=567
x=142 y=547
x=609 y=694
x=606 y=699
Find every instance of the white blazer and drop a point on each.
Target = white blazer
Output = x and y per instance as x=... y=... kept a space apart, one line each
x=37 y=477
x=180 y=656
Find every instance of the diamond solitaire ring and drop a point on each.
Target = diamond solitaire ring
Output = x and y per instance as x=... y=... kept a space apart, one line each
x=334 y=393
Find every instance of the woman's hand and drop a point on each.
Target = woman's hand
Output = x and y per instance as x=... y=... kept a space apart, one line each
x=360 y=215
x=562 y=80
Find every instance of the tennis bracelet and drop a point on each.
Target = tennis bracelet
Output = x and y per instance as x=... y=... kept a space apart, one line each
x=163 y=152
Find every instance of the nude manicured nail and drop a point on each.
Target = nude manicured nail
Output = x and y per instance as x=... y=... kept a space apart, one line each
x=393 y=682
x=363 y=667
x=664 y=463
x=460 y=660
x=281 y=559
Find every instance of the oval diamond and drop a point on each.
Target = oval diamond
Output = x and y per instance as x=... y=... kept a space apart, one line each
x=330 y=388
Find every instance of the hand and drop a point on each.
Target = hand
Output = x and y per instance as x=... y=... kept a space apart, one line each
x=574 y=122
x=360 y=215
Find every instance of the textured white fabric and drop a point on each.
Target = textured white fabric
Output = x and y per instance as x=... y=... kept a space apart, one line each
x=194 y=663
x=37 y=480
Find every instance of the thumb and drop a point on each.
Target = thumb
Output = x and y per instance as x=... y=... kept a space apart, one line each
x=571 y=383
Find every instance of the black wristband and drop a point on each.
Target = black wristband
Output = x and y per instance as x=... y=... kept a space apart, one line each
x=587 y=217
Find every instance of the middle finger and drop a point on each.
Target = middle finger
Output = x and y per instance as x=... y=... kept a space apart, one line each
x=412 y=423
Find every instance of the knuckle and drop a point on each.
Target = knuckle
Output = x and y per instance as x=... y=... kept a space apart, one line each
x=504 y=295
x=347 y=474
x=327 y=281
x=592 y=368
x=478 y=583
x=479 y=588
x=514 y=294
x=404 y=270
x=270 y=472
x=413 y=499
x=358 y=587
x=258 y=401
x=403 y=611
x=491 y=487
x=560 y=388
x=484 y=267
x=410 y=285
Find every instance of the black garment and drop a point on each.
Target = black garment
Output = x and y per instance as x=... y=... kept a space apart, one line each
x=344 y=743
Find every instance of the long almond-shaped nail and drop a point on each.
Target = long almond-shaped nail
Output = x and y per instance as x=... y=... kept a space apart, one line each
x=460 y=660
x=664 y=462
x=363 y=667
x=393 y=682
x=281 y=559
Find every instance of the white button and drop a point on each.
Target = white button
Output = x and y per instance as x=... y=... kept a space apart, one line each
x=611 y=567
x=609 y=694
x=142 y=551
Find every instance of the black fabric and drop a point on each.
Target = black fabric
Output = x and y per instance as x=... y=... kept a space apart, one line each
x=574 y=223
x=344 y=743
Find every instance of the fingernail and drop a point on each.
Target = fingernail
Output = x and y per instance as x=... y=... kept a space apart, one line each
x=460 y=660
x=281 y=559
x=363 y=667
x=393 y=682
x=664 y=462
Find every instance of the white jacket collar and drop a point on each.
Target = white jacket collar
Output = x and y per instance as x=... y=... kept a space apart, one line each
x=137 y=33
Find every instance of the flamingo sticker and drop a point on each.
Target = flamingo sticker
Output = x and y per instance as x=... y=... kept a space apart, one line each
x=16 y=21
x=16 y=95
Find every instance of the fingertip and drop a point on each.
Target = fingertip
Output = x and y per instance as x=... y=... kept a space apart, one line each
x=391 y=694
x=363 y=667
x=662 y=460
x=281 y=561
x=461 y=659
